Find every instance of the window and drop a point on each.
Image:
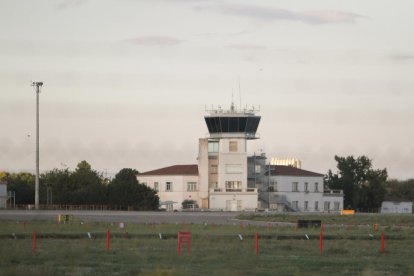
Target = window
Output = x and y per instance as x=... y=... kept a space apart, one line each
x=316 y=205
x=316 y=187
x=156 y=186
x=213 y=147
x=326 y=205
x=168 y=186
x=306 y=187
x=336 y=205
x=233 y=185
x=213 y=169
x=258 y=169
x=228 y=205
x=295 y=187
x=273 y=184
x=306 y=207
x=233 y=146
x=239 y=205
x=295 y=204
x=191 y=186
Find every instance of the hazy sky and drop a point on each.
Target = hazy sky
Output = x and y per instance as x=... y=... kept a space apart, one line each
x=126 y=82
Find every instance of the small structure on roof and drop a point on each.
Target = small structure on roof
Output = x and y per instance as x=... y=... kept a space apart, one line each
x=397 y=207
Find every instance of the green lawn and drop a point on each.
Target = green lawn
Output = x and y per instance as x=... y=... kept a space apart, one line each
x=65 y=249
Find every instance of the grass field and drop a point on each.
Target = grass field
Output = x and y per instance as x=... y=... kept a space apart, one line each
x=66 y=249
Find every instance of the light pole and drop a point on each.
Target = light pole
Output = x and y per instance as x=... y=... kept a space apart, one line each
x=268 y=188
x=37 y=85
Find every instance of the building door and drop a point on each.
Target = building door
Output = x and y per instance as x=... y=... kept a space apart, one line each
x=234 y=205
x=204 y=203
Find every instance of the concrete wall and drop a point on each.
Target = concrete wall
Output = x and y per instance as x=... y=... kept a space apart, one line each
x=203 y=172
x=228 y=201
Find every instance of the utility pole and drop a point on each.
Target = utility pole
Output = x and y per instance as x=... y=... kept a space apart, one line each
x=268 y=187
x=37 y=85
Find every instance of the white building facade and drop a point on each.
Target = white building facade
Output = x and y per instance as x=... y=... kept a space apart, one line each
x=176 y=184
x=396 y=207
x=3 y=195
x=293 y=189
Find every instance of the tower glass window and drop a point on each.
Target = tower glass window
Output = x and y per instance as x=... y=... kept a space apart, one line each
x=213 y=147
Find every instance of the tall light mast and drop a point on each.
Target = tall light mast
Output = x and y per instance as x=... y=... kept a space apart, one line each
x=37 y=85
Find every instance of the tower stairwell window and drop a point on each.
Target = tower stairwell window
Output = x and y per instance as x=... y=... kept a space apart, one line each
x=233 y=186
x=233 y=146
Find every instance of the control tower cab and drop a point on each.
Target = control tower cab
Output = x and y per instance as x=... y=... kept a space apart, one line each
x=232 y=123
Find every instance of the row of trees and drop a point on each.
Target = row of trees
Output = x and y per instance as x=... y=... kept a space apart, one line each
x=83 y=186
x=364 y=187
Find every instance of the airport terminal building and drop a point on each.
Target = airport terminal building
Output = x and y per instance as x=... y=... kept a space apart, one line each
x=223 y=179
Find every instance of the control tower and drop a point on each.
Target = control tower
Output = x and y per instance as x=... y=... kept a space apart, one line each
x=223 y=158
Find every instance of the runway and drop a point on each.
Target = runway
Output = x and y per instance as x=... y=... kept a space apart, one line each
x=224 y=218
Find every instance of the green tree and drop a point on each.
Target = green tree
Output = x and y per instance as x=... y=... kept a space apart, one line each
x=363 y=187
x=23 y=184
x=88 y=185
x=189 y=204
x=400 y=190
x=82 y=186
x=3 y=176
x=60 y=184
x=126 y=192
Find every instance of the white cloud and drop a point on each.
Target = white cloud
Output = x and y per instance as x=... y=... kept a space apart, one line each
x=403 y=57
x=272 y=13
x=247 y=47
x=69 y=3
x=155 y=41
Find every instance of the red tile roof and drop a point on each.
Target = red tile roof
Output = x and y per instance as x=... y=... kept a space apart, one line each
x=174 y=170
x=291 y=171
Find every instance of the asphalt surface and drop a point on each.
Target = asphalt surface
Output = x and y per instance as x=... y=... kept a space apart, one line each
x=128 y=216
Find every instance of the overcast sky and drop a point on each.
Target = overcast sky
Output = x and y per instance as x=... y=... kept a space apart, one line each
x=126 y=82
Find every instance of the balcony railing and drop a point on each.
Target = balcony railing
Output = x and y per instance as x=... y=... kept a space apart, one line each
x=220 y=190
x=333 y=192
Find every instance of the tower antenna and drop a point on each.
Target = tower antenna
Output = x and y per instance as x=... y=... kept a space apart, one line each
x=240 y=94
